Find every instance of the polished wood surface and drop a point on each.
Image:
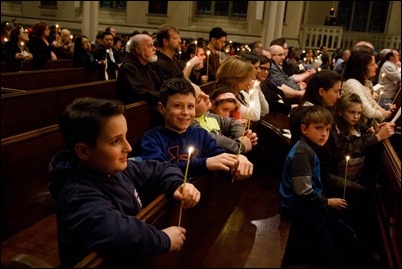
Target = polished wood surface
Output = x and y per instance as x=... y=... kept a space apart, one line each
x=234 y=225
x=26 y=66
x=30 y=110
x=46 y=78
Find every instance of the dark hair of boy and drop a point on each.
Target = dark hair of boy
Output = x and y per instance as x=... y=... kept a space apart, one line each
x=316 y=115
x=84 y=118
x=175 y=86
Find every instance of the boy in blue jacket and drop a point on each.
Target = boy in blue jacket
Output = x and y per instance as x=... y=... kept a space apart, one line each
x=171 y=142
x=98 y=191
x=316 y=222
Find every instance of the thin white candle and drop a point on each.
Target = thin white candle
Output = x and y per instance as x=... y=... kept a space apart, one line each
x=208 y=52
x=346 y=174
x=393 y=101
x=106 y=74
x=190 y=150
x=382 y=77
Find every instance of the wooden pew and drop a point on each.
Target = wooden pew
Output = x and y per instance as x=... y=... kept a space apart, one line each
x=46 y=78
x=26 y=66
x=387 y=197
x=30 y=110
x=9 y=90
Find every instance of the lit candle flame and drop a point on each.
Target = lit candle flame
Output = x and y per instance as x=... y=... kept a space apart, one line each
x=190 y=150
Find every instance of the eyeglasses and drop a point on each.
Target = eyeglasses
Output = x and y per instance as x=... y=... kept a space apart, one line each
x=279 y=54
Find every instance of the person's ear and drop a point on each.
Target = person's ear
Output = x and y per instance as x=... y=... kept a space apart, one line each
x=82 y=150
x=137 y=49
x=303 y=129
x=161 y=108
x=321 y=91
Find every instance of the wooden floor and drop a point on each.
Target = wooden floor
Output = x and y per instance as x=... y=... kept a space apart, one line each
x=242 y=228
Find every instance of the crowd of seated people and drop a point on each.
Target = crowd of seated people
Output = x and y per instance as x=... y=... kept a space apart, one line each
x=246 y=86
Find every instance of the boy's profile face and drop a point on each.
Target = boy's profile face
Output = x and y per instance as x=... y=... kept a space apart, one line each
x=110 y=153
x=317 y=133
x=202 y=103
x=352 y=114
x=179 y=112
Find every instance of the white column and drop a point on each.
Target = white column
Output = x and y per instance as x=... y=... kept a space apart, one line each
x=271 y=18
x=280 y=13
x=90 y=11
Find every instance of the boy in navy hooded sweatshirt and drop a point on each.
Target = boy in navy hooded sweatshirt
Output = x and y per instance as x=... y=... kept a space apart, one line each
x=98 y=191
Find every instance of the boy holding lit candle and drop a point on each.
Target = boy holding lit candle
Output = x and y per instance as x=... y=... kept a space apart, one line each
x=316 y=223
x=98 y=190
x=170 y=143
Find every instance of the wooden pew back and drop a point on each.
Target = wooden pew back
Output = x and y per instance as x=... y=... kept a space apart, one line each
x=46 y=78
x=26 y=66
x=25 y=111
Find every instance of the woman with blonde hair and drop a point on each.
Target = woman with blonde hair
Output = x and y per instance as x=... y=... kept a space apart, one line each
x=238 y=74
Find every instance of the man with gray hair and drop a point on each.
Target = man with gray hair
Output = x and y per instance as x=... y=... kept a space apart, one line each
x=135 y=81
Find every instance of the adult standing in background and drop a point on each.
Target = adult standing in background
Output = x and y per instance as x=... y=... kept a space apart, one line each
x=104 y=54
x=135 y=81
x=167 y=66
x=195 y=64
x=217 y=40
x=389 y=77
x=82 y=55
x=16 y=50
x=39 y=45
